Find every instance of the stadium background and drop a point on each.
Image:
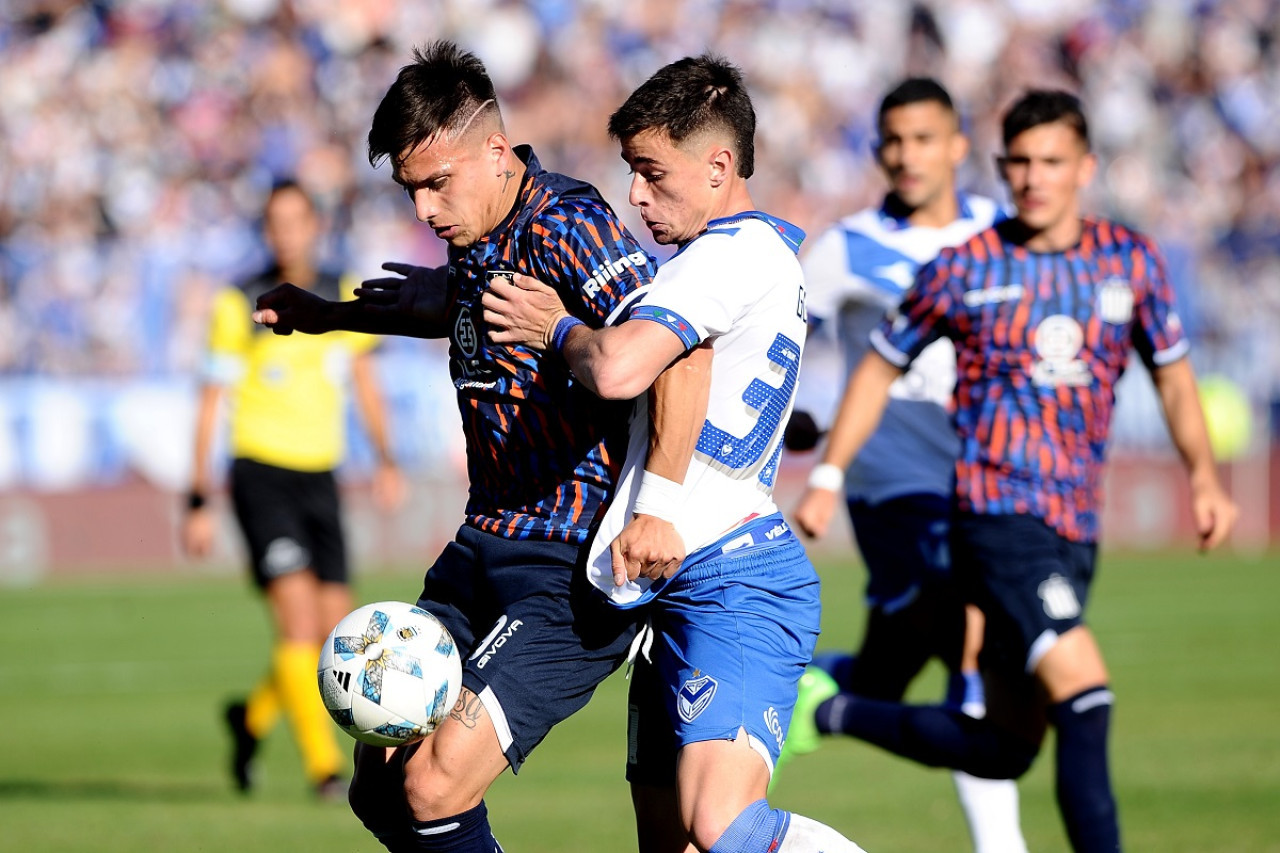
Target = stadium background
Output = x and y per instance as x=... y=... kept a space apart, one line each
x=140 y=137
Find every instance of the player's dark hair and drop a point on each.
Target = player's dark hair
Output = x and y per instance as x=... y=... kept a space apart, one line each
x=687 y=97
x=442 y=90
x=915 y=90
x=1045 y=106
x=289 y=185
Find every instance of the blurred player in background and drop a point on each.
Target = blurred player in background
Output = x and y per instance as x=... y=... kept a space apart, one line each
x=899 y=488
x=1043 y=310
x=735 y=623
x=543 y=452
x=287 y=405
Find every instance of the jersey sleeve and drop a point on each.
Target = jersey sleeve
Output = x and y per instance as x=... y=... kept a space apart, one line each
x=701 y=292
x=830 y=279
x=230 y=331
x=1158 y=336
x=582 y=250
x=922 y=318
x=355 y=342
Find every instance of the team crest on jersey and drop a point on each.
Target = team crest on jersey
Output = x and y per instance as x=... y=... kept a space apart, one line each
x=695 y=695
x=1059 y=598
x=1115 y=301
x=1058 y=341
x=464 y=332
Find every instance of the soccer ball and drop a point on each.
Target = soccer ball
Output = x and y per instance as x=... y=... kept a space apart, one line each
x=389 y=672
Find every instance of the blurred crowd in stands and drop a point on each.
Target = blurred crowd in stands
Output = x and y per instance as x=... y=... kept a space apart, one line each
x=139 y=137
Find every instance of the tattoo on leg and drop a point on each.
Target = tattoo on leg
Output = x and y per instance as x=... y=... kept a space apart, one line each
x=467 y=709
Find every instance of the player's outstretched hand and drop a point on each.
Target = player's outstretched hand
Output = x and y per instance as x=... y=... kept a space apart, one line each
x=288 y=308
x=1214 y=512
x=813 y=513
x=647 y=547
x=523 y=312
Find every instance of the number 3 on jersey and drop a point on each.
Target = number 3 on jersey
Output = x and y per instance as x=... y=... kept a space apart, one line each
x=741 y=457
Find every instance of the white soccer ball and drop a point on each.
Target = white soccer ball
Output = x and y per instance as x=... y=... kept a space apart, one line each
x=389 y=673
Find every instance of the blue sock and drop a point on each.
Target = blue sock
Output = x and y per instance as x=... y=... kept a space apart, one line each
x=756 y=829
x=1083 y=779
x=933 y=735
x=468 y=832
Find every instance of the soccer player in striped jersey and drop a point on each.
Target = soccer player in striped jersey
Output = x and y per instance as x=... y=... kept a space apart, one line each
x=734 y=623
x=899 y=488
x=1043 y=310
x=543 y=452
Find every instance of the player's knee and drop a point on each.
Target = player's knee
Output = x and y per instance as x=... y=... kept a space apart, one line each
x=1005 y=757
x=432 y=791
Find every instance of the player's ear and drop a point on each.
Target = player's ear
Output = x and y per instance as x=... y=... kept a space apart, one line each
x=498 y=150
x=720 y=165
x=959 y=148
x=1088 y=168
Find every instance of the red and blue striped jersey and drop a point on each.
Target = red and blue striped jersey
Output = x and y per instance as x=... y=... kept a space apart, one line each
x=543 y=452
x=1041 y=340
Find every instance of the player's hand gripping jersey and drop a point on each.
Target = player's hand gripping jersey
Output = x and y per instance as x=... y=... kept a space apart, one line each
x=1041 y=340
x=523 y=485
x=856 y=271
x=740 y=284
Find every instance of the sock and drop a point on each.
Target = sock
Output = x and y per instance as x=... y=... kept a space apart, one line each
x=1083 y=779
x=966 y=692
x=295 y=678
x=933 y=735
x=468 y=832
x=262 y=708
x=760 y=829
x=991 y=809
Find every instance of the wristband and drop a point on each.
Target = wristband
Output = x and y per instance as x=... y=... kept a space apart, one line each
x=826 y=476
x=563 y=326
x=659 y=497
x=195 y=500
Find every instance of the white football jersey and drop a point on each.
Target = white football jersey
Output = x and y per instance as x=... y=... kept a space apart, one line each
x=855 y=271
x=740 y=285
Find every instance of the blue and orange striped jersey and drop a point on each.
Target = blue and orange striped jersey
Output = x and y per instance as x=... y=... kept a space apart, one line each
x=1041 y=340
x=543 y=452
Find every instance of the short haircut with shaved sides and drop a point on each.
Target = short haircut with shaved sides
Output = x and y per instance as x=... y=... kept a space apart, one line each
x=1045 y=106
x=443 y=90
x=688 y=97
x=915 y=90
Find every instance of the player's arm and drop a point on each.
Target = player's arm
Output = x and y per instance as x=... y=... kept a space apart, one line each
x=412 y=305
x=865 y=397
x=388 y=482
x=649 y=546
x=615 y=362
x=1215 y=513
x=198 y=525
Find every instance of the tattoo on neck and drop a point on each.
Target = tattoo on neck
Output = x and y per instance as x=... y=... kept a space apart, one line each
x=506 y=178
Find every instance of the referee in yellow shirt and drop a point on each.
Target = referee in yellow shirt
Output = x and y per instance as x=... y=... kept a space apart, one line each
x=286 y=399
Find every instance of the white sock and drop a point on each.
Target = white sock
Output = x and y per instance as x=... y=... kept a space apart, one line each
x=806 y=835
x=991 y=808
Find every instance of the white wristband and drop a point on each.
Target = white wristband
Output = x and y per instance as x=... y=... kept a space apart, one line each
x=659 y=497
x=826 y=476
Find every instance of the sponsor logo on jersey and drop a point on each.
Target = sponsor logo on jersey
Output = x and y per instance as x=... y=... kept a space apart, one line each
x=1058 y=340
x=497 y=638
x=600 y=276
x=1115 y=301
x=1059 y=598
x=989 y=295
x=774 y=725
x=695 y=695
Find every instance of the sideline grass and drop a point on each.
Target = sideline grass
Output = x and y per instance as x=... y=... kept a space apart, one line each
x=111 y=738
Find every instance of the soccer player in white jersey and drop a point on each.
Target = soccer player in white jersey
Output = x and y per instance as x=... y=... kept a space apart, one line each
x=734 y=622
x=899 y=488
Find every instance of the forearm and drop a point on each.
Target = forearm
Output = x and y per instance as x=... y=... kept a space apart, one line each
x=206 y=426
x=1180 y=400
x=373 y=411
x=863 y=403
x=409 y=320
x=620 y=362
x=677 y=412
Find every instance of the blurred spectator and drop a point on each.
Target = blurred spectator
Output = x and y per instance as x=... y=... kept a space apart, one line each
x=140 y=138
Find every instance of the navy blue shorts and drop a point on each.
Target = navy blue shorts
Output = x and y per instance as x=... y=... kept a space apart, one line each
x=535 y=636
x=733 y=633
x=291 y=521
x=904 y=544
x=1030 y=581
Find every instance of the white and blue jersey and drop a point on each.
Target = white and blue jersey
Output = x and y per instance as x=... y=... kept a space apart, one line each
x=740 y=285
x=734 y=629
x=856 y=271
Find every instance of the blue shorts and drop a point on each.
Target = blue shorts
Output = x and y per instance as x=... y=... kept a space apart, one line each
x=535 y=636
x=733 y=632
x=1030 y=581
x=904 y=544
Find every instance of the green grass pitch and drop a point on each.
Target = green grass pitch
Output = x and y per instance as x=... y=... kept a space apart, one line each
x=111 y=737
